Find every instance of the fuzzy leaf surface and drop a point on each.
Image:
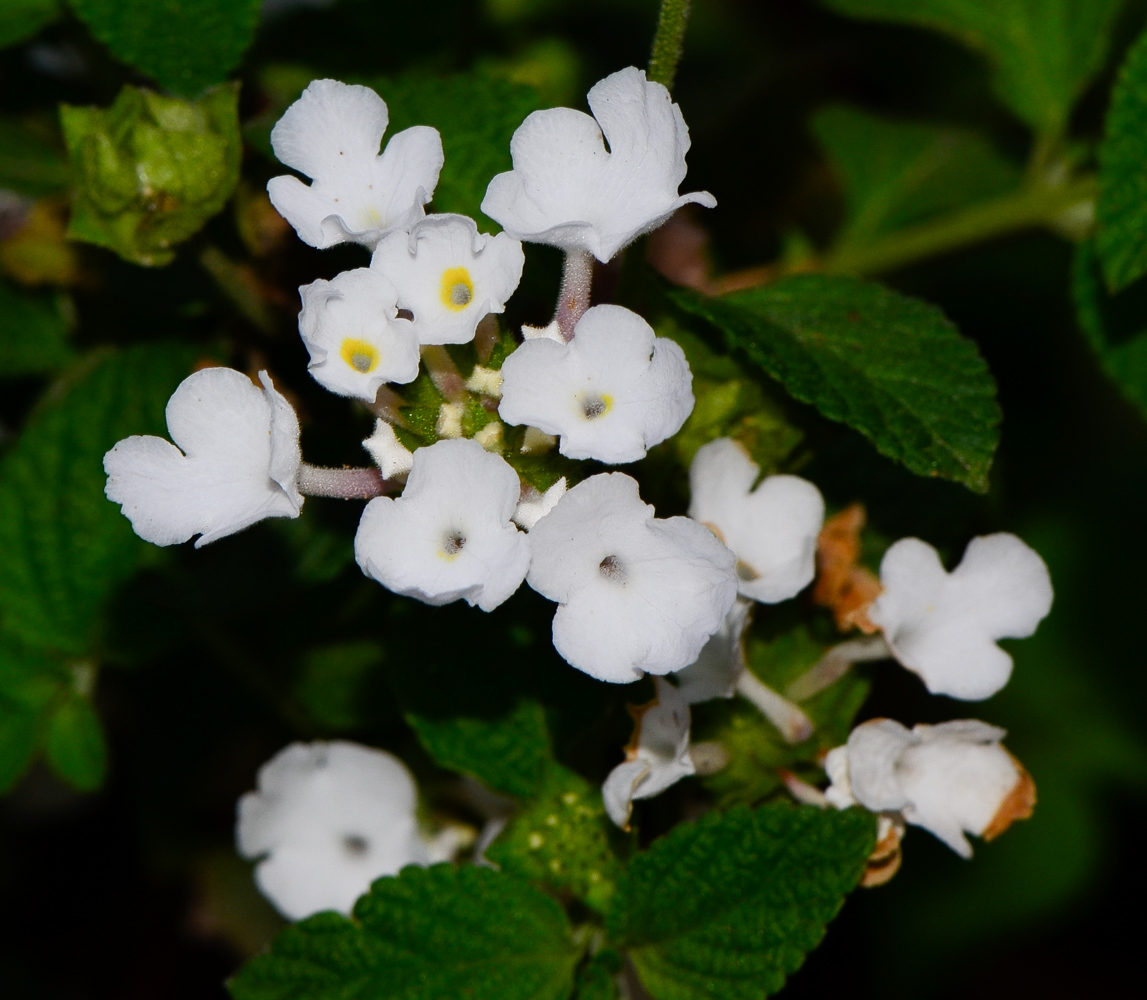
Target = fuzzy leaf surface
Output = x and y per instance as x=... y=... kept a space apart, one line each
x=892 y=367
x=1044 y=52
x=1121 y=209
x=428 y=934
x=727 y=907
x=897 y=173
x=186 y=45
x=63 y=546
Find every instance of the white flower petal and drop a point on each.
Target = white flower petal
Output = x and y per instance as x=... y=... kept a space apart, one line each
x=328 y=819
x=635 y=593
x=332 y=134
x=238 y=465
x=449 y=536
x=773 y=529
x=389 y=454
x=612 y=392
x=951 y=779
x=661 y=757
x=568 y=191
x=722 y=659
x=351 y=330
x=449 y=275
x=532 y=508
x=944 y=626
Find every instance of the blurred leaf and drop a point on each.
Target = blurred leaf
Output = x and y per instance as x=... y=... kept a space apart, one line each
x=33 y=334
x=31 y=681
x=756 y=749
x=333 y=681
x=477 y=115
x=63 y=546
x=726 y=908
x=28 y=164
x=186 y=45
x=1115 y=325
x=891 y=367
x=21 y=19
x=1121 y=208
x=75 y=746
x=562 y=840
x=1045 y=52
x=151 y=170
x=597 y=979
x=897 y=173
x=430 y=932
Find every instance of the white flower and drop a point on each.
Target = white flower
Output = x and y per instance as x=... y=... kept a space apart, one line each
x=944 y=626
x=391 y=456
x=657 y=757
x=568 y=191
x=951 y=778
x=772 y=529
x=449 y=275
x=635 y=593
x=610 y=393
x=332 y=134
x=449 y=536
x=327 y=820
x=351 y=330
x=239 y=462
x=533 y=506
x=715 y=672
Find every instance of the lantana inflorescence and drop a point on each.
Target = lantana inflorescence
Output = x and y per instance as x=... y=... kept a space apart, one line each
x=479 y=491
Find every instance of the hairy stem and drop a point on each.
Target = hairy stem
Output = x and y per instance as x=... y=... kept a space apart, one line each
x=573 y=300
x=836 y=663
x=794 y=725
x=668 y=41
x=344 y=484
x=444 y=373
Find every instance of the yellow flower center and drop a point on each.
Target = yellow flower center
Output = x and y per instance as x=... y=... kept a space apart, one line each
x=360 y=355
x=457 y=288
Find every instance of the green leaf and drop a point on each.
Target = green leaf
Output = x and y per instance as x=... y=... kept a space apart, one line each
x=597 y=979
x=333 y=680
x=897 y=173
x=476 y=115
x=75 y=747
x=186 y=45
x=1115 y=325
x=31 y=681
x=1045 y=52
x=727 y=907
x=33 y=334
x=21 y=19
x=151 y=170
x=562 y=840
x=1121 y=209
x=430 y=933
x=63 y=546
x=891 y=367
x=28 y=163
x=756 y=749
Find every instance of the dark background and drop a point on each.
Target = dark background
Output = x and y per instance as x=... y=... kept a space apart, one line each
x=134 y=892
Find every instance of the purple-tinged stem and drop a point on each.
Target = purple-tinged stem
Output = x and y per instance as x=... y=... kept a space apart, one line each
x=344 y=484
x=573 y=300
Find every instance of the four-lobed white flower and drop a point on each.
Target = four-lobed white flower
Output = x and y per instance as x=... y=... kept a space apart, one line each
x=569 y=191
x=944 y=626
x=951 y=779
x=449 y=275
x=326 y=821
x=611 y=393
x=450 y=535
x=332 y=134
x=237 y=462
x=772 y=526
x=657 y=757
x=356 y=341
x=636 y=593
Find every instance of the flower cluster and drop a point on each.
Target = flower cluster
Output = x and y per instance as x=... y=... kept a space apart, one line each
x=635 y=594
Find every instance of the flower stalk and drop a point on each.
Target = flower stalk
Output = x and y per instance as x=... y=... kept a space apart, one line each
x=668 y=41
x=343 y=484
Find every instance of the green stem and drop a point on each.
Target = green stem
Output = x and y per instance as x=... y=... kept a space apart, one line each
x=668 y=41
x=1027 y=208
